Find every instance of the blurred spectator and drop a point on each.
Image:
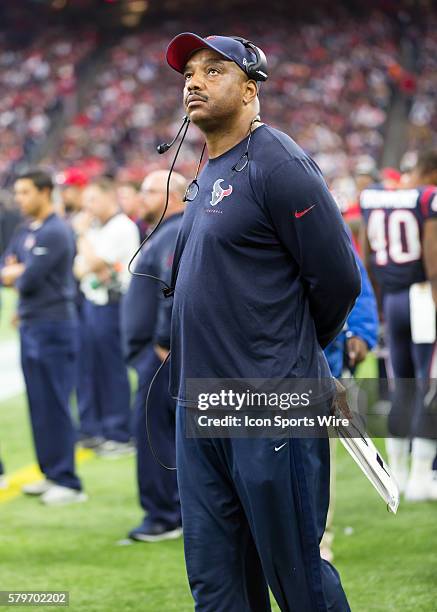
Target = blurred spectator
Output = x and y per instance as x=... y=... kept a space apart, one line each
x=131 y=203
x=72 y=183
x=129 y=200
x=106 y=240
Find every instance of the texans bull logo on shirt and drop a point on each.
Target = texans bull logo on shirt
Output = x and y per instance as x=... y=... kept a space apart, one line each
x=218 y=193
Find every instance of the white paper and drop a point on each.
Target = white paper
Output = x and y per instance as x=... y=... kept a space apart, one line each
x=422 y=314
x=367 y=457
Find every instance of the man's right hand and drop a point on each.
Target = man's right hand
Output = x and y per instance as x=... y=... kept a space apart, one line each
x=81 y=222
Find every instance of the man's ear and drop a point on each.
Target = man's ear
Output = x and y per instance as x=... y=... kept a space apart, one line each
x=250 y=92
x=46 y=192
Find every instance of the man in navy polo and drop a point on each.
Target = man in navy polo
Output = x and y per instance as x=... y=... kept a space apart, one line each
x=39 y=264
x=146 y=316
x=265 y=278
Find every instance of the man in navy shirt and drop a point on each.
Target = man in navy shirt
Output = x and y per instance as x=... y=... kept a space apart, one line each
x=39 y=264
x=265 y=278
x=146 y=316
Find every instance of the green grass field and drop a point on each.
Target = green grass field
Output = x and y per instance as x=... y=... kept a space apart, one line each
x=8 y=300
x=387 y=563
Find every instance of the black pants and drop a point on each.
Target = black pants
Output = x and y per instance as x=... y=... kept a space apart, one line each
x=253 y=513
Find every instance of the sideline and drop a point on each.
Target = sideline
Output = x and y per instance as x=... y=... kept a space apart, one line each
x=31 y=473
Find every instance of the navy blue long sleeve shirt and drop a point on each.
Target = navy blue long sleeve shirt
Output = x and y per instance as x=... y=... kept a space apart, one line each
x=46 y=287
x=266 y=275
x=145 y=312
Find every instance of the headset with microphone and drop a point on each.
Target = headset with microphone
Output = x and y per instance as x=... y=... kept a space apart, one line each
x=165 y=146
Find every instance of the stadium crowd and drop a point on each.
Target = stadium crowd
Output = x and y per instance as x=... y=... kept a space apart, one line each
x=422 y=132
x=330 y=88
x=35 y=81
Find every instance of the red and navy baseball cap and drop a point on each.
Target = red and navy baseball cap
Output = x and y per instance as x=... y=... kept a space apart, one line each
x=182 y=47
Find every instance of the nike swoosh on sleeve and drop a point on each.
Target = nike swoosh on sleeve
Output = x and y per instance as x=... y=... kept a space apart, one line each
x=298 y=214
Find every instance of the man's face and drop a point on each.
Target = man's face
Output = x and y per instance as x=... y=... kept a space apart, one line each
x=128 y=199
x=153 y=192
x=96 y=202
x=72 y=198
x=214 y=88
x=28 y=197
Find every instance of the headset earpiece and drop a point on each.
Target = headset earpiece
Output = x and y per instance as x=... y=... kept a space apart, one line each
x=256 y=70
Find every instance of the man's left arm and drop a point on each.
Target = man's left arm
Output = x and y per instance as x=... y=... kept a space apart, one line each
x=309 y=224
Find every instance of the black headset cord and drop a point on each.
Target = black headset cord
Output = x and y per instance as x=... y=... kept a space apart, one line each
x=185 y=123
x=149 y=437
